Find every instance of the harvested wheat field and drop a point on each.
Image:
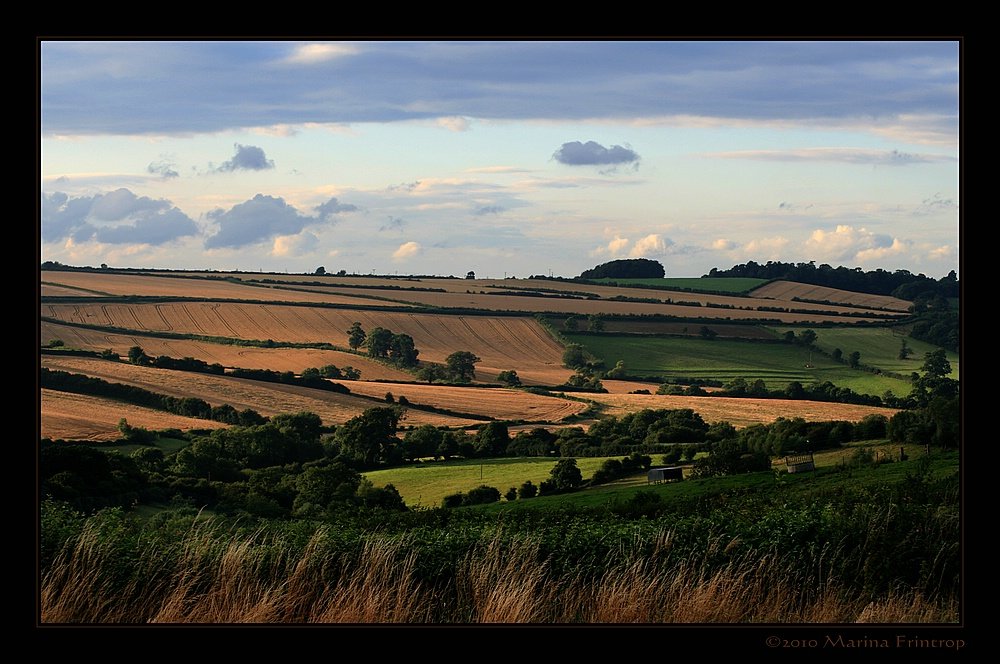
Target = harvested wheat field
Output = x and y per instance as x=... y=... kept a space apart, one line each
x=265 y=398
x=162 y=286
x=81 y=417
x=739 y=412
x=529 y=304
x=498 y=403
x=503 y=343
x=786 y=290
x=275 y=359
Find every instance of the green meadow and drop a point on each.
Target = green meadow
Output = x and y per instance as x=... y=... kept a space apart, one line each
x=777 y=364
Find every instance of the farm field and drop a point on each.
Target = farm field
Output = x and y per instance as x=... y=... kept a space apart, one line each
x=776 y=364
x=498 y=403
x=84 y=417
x=503 y=343
x=723 y=330
x=879 y=347
x=826 y=479
x=425 y=484
x=462 y=293
x=266 y=398
x=786 y=290
x=246 y=357
x=734 y=285
x=114 y=284
x=739 y=412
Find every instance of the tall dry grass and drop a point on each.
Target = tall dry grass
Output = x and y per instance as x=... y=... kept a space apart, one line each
x=501 y=580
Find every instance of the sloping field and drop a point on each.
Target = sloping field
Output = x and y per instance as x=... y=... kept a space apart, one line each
x=739 y=412
x=776 y=364
x=879 y=347
x=49 y=289
x=724 y=330
x=529 y=304
x=146 y=285
x=503 y=343
x=275 y=359
x=498 y=403
x=265 y=398
x=82 y=417
x=786 y=290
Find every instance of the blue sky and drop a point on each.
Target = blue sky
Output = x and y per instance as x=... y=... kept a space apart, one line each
x=507 y=157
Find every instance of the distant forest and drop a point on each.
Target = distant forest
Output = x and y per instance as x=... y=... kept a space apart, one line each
x=901 y=283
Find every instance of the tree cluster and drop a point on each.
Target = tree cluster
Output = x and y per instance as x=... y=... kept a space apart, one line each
x=627 y=268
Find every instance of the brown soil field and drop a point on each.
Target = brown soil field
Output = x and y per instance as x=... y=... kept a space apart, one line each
x=498 y=403
x=626 y=386
x=503 y=343
x=139 y=284
x=82 y=417
x=275 y=359
x=739 y=412
x=786 y=290
x=265 y=398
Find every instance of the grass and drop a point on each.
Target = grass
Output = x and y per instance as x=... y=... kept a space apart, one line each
x=736 y=285
x=167 y=445
x=879 y=347
x=427 y=483
x=829 y=476
x=725 y=359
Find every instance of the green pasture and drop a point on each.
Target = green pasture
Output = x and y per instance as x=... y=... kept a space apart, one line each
x=833 y=473
x=777 y=364
x=879 y=346
x=425 y=484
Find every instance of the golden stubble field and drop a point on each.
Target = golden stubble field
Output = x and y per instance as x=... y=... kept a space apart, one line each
x=498 y=403
x=266 y=398
x=502 y=343
x=83 y=417
x=786 y=290
x=739 y=412
x=274 y=359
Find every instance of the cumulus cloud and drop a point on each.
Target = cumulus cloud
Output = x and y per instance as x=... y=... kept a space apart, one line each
x=877 y=253
x=260 y=218
x=164 y=168
x=846 y=243
x=294 y=245
x=118 y=217
x=651 y=245
x=407 y=250
x=722 y=244
x=944 y=251
x=403 y=186
x=454 y=123
x=592 y=153
x=332 y=207
x=247 y=158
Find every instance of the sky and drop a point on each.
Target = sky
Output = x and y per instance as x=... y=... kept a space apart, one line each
x=506 y=158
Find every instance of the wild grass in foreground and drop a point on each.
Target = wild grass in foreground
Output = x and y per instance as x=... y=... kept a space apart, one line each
x=499 y=580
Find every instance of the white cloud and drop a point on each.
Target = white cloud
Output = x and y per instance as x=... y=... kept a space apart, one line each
x=454 y=123
x=293 y=245
x=407 y=250
x=651 y=245
x=767 y=248
x=722 y=244
x=847 y=243
x=897 y=247
x=942 y=252
x=838 y=154
x=310 y=54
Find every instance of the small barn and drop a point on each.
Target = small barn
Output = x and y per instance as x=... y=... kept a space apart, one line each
x=801 y=463
x=660 y=475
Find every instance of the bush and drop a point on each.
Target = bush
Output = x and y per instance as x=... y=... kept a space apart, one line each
x=511 y=494
x=527 y=490
x=481 y=495
x=452 y=500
